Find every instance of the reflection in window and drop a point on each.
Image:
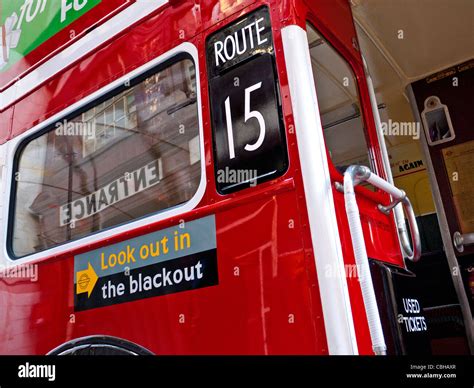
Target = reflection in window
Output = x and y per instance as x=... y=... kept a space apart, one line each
x=134 y=154
x=339 y=104
x=109 y=121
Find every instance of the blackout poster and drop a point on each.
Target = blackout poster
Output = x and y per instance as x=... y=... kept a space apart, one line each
x=171 y=260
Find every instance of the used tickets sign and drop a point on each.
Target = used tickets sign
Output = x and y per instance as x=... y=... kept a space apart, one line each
x=180 y=258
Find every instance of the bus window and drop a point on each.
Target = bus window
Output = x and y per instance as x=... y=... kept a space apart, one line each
x=133 y=153
x=339 y=104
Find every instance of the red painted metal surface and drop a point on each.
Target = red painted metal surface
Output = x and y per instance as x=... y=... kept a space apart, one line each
x=267 y=300
x=6 y=118
x=96 y=16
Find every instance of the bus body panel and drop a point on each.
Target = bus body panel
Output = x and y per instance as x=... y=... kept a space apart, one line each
x=65 y=35
x=262 y=305
x=267 y=300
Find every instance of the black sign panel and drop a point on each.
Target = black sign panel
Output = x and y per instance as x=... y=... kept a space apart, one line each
x=404 y=324
x=248 y=134
x=183 y=274
x=243 y=39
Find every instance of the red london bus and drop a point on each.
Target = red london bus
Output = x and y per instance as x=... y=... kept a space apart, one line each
x=197 y=177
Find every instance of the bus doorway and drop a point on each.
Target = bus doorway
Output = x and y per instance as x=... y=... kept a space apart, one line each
x=422 y=75
x=443 y=104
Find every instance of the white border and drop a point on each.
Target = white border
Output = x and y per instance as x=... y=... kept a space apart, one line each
x=335 y=300
x=79 y=49
x=114 y=231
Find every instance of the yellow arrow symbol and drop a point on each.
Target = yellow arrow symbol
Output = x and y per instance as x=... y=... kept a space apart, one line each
x=86 y=280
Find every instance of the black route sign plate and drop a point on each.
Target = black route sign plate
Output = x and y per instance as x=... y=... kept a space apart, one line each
x=243 y=39
x=248 y=134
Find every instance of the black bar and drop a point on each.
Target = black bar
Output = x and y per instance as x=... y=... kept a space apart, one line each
x=176 y=371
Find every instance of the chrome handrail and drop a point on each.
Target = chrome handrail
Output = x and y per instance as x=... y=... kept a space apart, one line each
x=461 y=240
x=363 y=174
x=352 y=177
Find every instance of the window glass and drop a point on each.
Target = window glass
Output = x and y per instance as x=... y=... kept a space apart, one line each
x=339 y=105
x=134 y=154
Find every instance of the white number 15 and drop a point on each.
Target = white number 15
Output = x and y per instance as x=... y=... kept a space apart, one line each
x=248 y=115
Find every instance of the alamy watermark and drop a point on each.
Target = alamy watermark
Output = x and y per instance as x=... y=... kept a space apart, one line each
x=403 y=128
x=21 y=272
x=349 y=271
x=232 y=176
x=34 y=371
x=75 y=128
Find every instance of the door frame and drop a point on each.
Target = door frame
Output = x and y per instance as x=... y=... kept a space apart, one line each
x=444 y=229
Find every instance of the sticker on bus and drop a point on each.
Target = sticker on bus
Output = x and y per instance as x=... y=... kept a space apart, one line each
x=179 y=258
x=26 y=24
